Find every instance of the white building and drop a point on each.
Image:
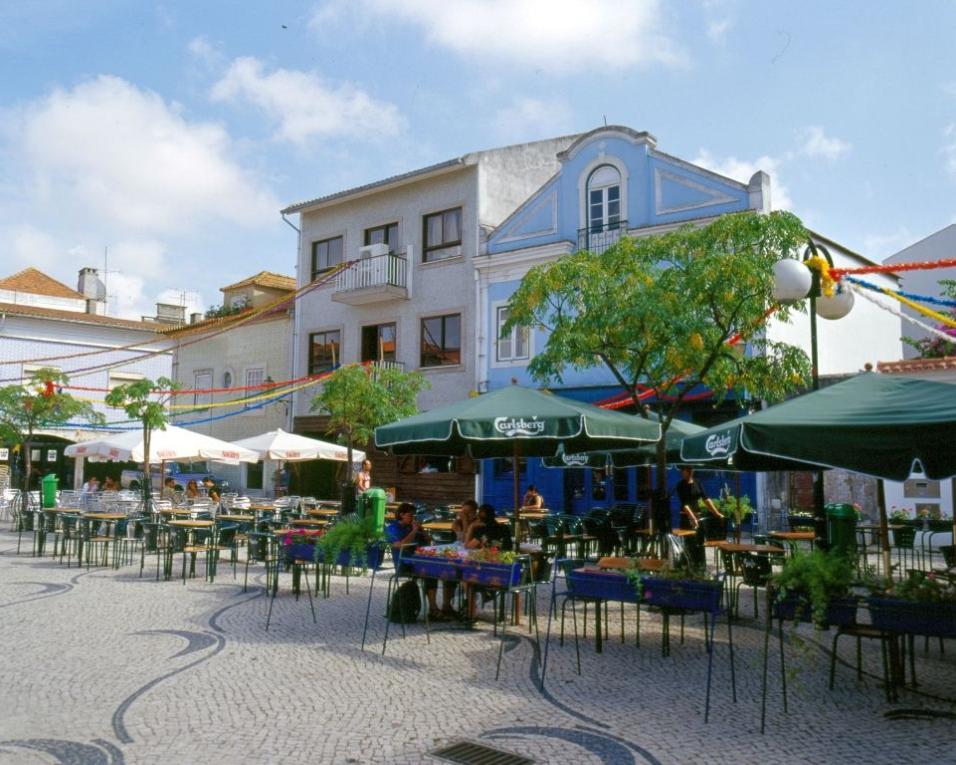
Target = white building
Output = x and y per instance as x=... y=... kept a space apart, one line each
x=940 y=245
x=251 y=354
x=412 y=298
x=45 y=323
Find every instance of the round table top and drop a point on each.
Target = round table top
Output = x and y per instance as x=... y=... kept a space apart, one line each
x=178 y=511
x=323 y=511
x=231 y=517
x=308 y=522
x=734 y=547
x=795 y=536
x=192 y=524
x=105 y=516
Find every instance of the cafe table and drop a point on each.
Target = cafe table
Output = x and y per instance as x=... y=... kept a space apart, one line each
x=793 y=538
x=309 y=522
x=235 y=518
x=324 y=512
x=109 y=519
x=191 y=526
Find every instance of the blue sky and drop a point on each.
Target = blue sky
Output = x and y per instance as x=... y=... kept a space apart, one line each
x=172 y=133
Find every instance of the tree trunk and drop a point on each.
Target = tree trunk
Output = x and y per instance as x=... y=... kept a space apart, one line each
x=147 y=477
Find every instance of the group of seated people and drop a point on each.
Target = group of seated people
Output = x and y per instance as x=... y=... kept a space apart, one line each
x=192 y=490
x=92 y=485
x=475 y=527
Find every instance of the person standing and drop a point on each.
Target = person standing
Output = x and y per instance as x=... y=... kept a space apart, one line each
x=689 y=496
x=363 y=479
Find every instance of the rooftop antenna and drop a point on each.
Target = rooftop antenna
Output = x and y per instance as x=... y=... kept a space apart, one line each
x=105 y=273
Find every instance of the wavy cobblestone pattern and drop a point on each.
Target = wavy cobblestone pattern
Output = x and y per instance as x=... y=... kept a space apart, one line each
x=130 y=670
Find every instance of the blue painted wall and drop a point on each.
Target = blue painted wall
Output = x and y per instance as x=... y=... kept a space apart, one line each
x=657 y=189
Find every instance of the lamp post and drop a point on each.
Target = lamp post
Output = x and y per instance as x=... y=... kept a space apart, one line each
x=795 y=280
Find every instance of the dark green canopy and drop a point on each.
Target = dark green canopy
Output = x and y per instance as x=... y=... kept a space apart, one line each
x=873 y=424
x=621 y=458
x=515 y=420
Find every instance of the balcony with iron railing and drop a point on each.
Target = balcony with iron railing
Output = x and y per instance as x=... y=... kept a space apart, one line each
x=598 y=237
x=374 y=278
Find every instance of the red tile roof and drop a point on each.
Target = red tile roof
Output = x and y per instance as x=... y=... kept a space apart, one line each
x=266 y=279
x=917 y=365
x=36 y=282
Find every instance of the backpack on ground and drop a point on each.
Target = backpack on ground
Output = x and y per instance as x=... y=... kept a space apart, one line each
x=406 y=603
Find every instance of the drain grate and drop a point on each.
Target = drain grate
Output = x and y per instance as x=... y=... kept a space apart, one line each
x=470 y=753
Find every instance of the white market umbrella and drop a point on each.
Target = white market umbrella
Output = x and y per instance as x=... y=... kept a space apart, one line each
x=290 y=447
x=171 y=444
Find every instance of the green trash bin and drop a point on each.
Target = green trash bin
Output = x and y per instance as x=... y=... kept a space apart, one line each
x=841 y=528
x=373 y=502
x=48 y=490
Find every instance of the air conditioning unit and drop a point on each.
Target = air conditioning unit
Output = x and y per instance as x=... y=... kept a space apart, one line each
x=373 y=250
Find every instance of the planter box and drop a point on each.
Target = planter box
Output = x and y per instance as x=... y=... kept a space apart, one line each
x=685 y=594
x=841 y=611
x=609 y=585
x=912 y=617
x=374 y=555
x=491 y=574
x=299 y=551
x=434 y=567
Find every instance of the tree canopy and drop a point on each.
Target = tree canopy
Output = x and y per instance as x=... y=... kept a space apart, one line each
x=661 y=312
x=40 y=404
x=360 y=398
x=146 y=401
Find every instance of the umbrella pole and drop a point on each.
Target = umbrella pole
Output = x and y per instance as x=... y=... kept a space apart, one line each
x=884 y=530
x=517 y=490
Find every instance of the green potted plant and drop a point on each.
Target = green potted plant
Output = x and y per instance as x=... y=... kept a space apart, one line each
x=736 y=509
x=352 y=542
x=903 y=516
x=815 y=586
x=921 y=604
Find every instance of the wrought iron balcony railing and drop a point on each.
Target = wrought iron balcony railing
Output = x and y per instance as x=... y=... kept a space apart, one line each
x=598 y=237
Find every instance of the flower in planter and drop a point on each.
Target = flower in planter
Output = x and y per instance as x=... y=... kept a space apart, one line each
x=899 y=514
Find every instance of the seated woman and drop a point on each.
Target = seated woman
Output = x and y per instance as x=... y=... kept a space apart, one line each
x=192 y=490
x=532 y=500
x=110 y=484
x=466 y=516
x=485 y=531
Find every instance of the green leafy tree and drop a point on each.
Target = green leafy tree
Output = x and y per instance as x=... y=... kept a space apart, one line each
x=360 y=398
x=40 y=404
x=936 y=347
x=148 y=402
x=659 y=312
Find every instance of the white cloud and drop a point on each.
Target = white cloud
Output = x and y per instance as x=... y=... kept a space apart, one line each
x=124 y=156
x=524 y=119
x=742 y=170
x=948 y=88
x=305 y=105
x=561 y=35
x=205 y=52
x=815 y=143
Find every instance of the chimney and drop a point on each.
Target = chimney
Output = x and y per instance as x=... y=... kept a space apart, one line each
x=89 y=285
x=168 y=313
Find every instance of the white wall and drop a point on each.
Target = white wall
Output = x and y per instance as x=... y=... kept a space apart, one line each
x=442 y=287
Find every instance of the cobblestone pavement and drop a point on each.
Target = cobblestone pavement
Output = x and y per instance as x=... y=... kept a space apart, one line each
x=104 y=668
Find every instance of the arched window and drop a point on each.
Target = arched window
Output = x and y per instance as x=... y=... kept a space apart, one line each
x=604 y=199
